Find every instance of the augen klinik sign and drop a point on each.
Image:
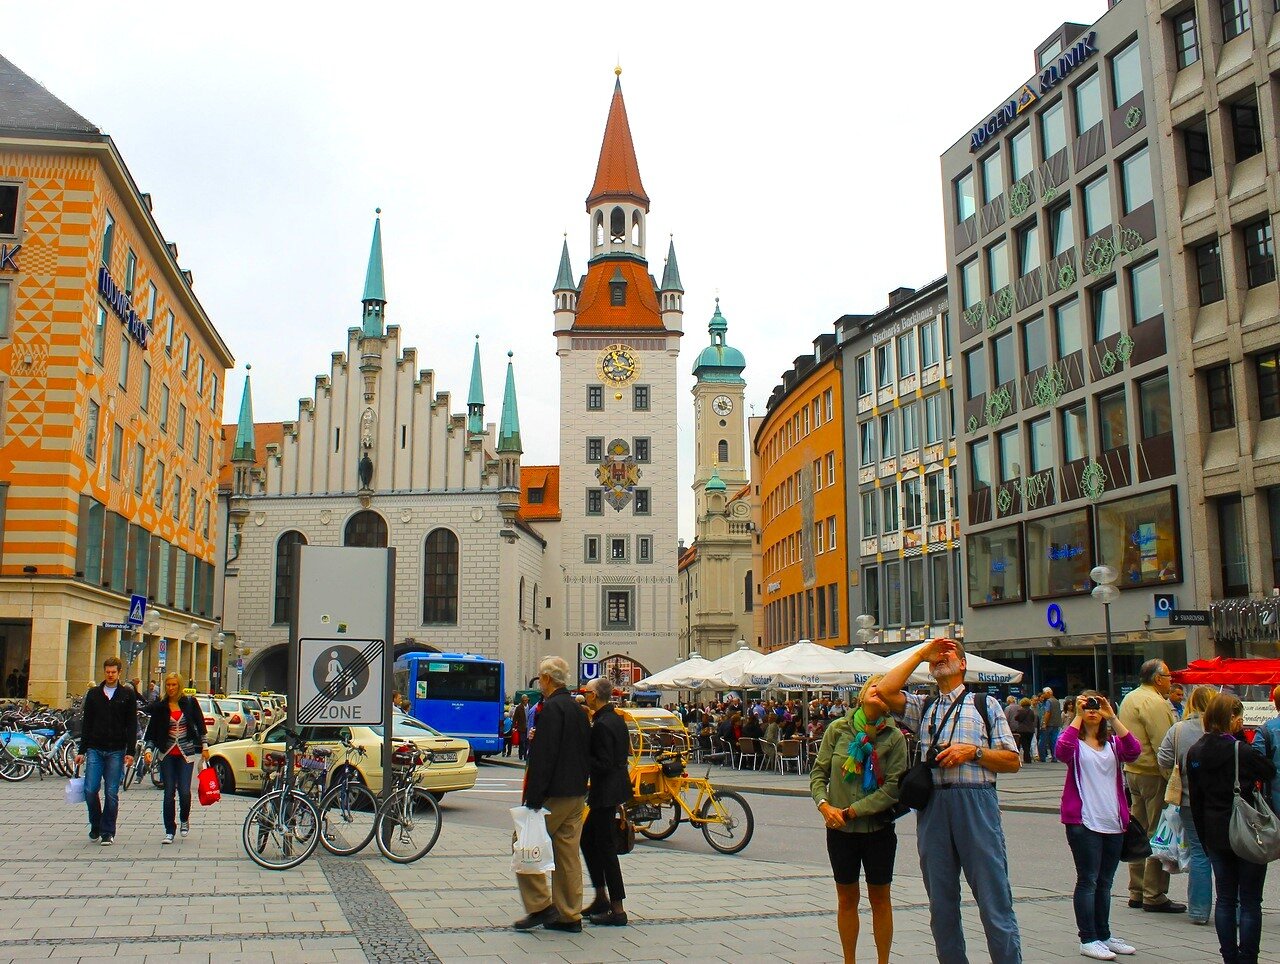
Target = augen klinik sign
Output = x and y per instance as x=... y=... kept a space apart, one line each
x=1050 y=77
x=122 y=307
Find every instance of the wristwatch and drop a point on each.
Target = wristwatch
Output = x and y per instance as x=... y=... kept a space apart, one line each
x=977 y=757
x=821 y=802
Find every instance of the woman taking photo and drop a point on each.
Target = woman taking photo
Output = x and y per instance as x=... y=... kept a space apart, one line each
x=855 y=781
x=1211 y=779
x=1178 y=741
x=1096 y=812
x=610 y=788
x=176 y=732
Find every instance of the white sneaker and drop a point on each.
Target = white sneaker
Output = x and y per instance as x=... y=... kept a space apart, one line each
x=168 y=839
x=1096 y=950
x=184 y=828
x=1119 y=946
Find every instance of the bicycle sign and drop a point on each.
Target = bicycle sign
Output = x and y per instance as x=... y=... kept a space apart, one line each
x=340 y=681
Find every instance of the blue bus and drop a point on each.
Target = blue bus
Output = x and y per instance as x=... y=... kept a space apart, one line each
x=459 y=694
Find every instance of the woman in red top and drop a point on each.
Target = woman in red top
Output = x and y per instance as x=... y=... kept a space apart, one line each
x=176 y=732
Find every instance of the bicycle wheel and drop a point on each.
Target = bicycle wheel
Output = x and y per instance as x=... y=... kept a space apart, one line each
x=408 y=825
x=348 y=818
x=732 y=832
x=664 y=826
x=13 y=769
x=280 y=830
x=156 y=779
x=130 y=775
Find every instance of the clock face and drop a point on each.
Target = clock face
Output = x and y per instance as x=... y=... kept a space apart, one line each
x=722 y=405
x=618 y=364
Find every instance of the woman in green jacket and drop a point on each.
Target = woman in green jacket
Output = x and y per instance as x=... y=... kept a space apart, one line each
x=855 y=783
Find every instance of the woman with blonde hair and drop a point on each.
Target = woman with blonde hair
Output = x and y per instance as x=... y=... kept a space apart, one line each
x=177 y=733
x=855 y=782
x=1178 y=741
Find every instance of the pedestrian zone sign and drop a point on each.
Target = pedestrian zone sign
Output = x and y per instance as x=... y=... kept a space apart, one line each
x=137 y=609
x=340 y=681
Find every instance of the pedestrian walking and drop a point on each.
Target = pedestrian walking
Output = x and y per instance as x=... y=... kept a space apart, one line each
x=959 y=829
x=1211 y=773
x=556 y=780
x=1024 y=727
x=855 y=782
x=1177 y=743
x=176 y=734
x=1094 y=746
x=1050 y=724
x=108 y=737
x=520 y=721
x=1147 y=713
x=1267 y=739
x=508 y=732
x=610 y=788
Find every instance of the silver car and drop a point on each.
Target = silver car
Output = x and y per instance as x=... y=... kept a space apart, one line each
x=241 y=723
x=215 y=720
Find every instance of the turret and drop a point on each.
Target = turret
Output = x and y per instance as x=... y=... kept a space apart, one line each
x=475 y=397
x=671 y=293
x=509 y=450
x=244 y=452
x=617 y=203
x=565 y=290
x=375 y=307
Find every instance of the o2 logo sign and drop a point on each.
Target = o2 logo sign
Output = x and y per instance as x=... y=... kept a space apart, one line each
x=1165 y=603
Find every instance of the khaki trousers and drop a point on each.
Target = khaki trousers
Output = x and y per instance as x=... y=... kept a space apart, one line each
x=564 y=824
x=1148 y=880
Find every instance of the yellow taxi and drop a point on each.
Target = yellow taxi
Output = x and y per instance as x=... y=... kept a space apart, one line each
x=239 y=762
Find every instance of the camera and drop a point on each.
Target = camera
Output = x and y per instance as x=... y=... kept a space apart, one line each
x=1092 y=703
x=931 y=757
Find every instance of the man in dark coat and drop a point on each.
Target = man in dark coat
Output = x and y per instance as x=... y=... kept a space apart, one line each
x=556 y=781
x=610 y=788
x=109 y=735
x=521 y=721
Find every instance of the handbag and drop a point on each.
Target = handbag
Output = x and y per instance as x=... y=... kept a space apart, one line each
x=73 y=792
x=210 y=790
x=626 y=833
x=1168 y=843
x=531 y=848
x=1136 y=846
x=917 y=783
x=1254 y=833
x=1173 y=791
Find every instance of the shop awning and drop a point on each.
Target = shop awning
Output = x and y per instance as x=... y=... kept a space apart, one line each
x=1230 y=672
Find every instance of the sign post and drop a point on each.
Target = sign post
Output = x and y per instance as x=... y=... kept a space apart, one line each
x=588 y=662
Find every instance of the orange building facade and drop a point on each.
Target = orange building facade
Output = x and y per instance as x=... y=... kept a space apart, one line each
x=111 y=380
x=798 y=460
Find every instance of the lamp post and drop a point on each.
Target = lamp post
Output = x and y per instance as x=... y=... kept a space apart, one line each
x=866 y=628
x=1106 y=593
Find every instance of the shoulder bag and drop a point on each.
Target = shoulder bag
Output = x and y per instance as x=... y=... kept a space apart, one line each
x=626 y=832
x=1136 y=845
x=917 y=783
x=1173 y=792
x=1254 y=833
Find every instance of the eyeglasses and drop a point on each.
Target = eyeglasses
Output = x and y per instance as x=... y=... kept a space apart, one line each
x=1164 y=676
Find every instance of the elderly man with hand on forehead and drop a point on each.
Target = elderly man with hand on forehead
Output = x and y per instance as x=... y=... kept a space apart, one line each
x=959 y=829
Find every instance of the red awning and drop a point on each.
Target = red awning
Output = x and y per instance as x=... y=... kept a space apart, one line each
x=1230 y=672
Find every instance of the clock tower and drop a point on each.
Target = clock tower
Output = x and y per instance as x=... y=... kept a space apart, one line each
x=719 y=420
x=618 y=340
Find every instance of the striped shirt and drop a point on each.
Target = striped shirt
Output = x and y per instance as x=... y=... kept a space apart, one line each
x=964 y=726
x=177 y=731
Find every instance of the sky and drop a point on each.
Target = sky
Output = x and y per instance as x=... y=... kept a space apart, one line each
x=794 y=158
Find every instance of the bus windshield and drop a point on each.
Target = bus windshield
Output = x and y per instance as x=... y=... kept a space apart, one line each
x=438 y=680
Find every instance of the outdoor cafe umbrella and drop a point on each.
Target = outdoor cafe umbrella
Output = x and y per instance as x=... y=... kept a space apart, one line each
x=978 y=669
x=715 y=676
x=686 y=675
x=809 y=666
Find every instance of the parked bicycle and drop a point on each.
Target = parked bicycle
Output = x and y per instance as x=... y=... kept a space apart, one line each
x=408 y=823
x=281 y=829
x=41 y=742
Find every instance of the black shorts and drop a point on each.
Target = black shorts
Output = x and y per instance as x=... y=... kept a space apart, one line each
x=851 y=852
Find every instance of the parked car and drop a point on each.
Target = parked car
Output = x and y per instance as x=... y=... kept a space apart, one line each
x=239 y=762
x=215 y=721
x=254 y=705
x=241 y=723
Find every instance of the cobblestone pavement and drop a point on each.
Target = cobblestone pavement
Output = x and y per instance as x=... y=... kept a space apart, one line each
x=203 y=900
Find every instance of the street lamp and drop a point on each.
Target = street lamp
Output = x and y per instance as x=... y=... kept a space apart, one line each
x=1106 y=593
x=866 y=628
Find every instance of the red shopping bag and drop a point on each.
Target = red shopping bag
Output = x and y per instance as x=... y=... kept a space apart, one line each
x=210 y=791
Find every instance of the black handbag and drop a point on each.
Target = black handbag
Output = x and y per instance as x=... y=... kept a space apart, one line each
x=917 y=783
x=1136 y=845
x=625 y=837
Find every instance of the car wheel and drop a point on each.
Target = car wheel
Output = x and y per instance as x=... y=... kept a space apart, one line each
x=437 y=795
x=226 y=779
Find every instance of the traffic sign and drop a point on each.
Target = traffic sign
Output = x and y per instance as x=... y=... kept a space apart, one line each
x=124 y=627
x=1189 y=617
x=240 y=665
x=589 y=652
x=137 y=609
x=340 y=681
x=162 y=657
x=588 y=671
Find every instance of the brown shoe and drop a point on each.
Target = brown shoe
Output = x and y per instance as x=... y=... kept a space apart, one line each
x=610 y=919
x=548 y=915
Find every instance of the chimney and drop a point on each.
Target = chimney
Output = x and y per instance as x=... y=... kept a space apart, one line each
x=898 y=295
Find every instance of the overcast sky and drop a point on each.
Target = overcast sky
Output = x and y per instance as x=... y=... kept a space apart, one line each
x=794 y=157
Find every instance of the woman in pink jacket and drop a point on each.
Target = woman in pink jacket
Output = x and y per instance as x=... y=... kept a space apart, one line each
x=1096 y=812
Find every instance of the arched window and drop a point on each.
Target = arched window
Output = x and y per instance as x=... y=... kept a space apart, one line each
x=535 y=604
x=747 y=596
x=284 y=573
x=722 y=452
x=520 y=602
x=617 y=226
x=599 y=228
x=366 y=530
x=637 y=238
x=440 y=579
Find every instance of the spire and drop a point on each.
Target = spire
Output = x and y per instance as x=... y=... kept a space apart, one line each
x=671 y=273
x=509 y=432
x=617 y=173
x=564 y=277
x=375 y=294
x=475 y=397
x=244 y=447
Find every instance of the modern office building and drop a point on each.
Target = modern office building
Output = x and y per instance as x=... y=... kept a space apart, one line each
x=798 y=464
x=111 y=380
x=1214 y=89
x=1069 y=427
x=902 y=525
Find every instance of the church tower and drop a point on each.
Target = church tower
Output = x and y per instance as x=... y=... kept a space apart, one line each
x=718 y=417
x=618 y=340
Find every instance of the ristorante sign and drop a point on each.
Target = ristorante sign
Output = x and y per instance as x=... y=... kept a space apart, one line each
x=1049 y=78
x=122 y=307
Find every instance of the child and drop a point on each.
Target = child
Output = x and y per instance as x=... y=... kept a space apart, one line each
x=508 y=731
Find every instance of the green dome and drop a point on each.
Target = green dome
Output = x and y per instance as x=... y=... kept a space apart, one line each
x=715 y=483
x=718 y=362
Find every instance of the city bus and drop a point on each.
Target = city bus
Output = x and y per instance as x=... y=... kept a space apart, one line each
x=459 y=694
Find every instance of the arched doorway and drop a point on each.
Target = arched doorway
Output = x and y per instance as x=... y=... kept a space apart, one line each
x=268 y=670
x=623 y=671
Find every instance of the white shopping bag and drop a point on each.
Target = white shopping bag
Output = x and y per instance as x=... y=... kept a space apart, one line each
x=531 y=847
x=73 y=792
x=1169 y=844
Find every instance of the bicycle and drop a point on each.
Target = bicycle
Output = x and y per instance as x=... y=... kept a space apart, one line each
x=408 y=822
x=41 y=750
x=348 y=810
x=281 y=829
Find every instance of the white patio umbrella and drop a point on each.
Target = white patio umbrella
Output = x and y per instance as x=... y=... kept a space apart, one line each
x=677 y=677
x=978 y=669
x=715 y=676
x=809 y=666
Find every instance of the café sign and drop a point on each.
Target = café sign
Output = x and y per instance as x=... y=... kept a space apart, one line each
x=122 y=307
x=1049 y=78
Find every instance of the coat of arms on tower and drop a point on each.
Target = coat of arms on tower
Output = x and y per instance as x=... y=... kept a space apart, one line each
x=618 y=474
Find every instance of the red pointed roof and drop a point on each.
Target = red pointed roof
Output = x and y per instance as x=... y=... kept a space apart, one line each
x=617 y=173
x=595 y=313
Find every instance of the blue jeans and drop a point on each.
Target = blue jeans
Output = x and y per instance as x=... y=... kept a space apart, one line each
x=1048 y=740
x=1239 y=885
x=1199 y=873
x=1097 y=855
x=958 y=831
x=175 y=771
x=103 y=767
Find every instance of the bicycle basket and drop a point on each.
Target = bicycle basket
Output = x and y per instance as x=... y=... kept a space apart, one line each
x=313 y=763
x=406 y=756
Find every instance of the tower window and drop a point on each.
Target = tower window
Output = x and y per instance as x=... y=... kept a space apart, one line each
x=599 y=229
x=595 y=398
x=617 y=288
x=722 y=452
x=636 y=238
x=640 y=398
x=641 y=448
x=617 y=226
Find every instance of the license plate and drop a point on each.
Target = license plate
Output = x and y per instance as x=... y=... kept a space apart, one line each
x=444 y=756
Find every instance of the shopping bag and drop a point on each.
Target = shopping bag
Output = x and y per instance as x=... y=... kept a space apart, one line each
x=73 y=792
x=531 y=846
x=210 y=789
x=1169 y=844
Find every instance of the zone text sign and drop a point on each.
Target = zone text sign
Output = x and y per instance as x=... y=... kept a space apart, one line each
x=340 y=681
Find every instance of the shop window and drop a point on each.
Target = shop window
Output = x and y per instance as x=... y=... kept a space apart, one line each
x=1139 y=536
x=995 y=566
x=1059 y=554
x=1231 y=546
